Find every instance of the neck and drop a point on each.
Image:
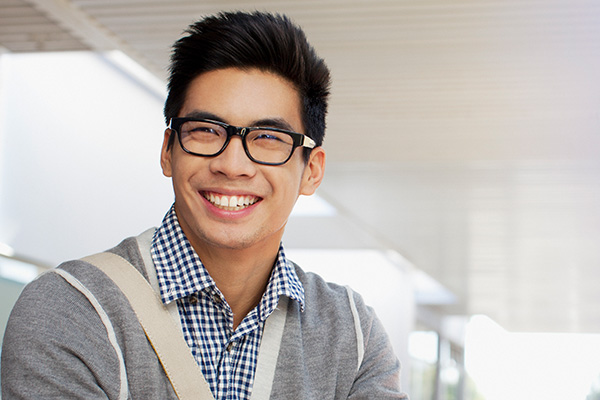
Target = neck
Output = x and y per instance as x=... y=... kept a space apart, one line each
x=240 y=275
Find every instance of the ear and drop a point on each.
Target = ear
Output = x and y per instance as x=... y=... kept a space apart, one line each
x=313 y=172
x=165 y=155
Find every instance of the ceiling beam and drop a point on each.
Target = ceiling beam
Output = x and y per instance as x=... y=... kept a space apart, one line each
x=90 y=31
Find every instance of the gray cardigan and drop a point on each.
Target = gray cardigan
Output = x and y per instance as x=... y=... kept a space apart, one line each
x=56 y=344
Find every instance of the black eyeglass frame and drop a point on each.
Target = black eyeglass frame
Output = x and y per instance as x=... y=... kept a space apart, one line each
x=298 y=139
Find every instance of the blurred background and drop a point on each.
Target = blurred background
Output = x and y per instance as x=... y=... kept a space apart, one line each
x=462 y=192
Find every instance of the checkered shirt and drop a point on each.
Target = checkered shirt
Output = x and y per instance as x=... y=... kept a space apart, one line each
x=227 y=357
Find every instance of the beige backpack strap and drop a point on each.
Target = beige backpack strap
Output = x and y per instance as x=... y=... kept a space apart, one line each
x=162 y=332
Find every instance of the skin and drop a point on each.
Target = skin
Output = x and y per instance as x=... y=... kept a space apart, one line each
x=239 y=247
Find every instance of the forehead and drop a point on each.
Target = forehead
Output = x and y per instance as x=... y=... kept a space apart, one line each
x=239 y=96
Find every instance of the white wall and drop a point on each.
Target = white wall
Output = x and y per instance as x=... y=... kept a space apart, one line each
x=70 y=183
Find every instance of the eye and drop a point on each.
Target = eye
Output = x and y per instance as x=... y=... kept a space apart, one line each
x=202 y=129
x=268 y=136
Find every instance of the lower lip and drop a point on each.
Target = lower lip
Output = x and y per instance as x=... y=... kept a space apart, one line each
x=227 y=214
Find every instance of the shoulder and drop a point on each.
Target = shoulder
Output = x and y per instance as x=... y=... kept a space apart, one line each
x=334 y=311
x=337 y=323
x=128 y=249
x=331 y=296
x=61 y=289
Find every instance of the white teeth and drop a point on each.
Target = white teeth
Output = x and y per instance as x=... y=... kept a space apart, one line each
x=233 y=202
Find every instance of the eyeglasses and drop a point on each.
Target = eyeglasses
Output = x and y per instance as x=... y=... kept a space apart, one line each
x=208 y=138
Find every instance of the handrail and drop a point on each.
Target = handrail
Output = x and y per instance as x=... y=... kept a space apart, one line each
x=7 y=251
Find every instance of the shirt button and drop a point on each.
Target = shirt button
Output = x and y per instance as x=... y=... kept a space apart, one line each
x=230 y=346
x=216 y=299
x=193 y=299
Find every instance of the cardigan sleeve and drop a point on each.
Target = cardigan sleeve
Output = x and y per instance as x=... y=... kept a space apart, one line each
x=48 y=351
x=80 y=339
x=378 y=375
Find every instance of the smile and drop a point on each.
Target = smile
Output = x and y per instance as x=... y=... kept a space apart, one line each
x=230 y=203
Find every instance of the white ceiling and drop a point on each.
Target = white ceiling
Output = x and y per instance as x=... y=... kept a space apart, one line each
x=465 y=135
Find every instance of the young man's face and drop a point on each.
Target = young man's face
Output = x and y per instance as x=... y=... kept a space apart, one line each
x=240 y=98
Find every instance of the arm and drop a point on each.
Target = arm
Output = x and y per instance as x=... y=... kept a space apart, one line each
x=379 y=374
x=55 y=346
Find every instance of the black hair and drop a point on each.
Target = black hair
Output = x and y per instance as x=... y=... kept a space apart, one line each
x=269 y=42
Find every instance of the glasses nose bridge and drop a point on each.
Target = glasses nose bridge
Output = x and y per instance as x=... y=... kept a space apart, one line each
x=237 y=131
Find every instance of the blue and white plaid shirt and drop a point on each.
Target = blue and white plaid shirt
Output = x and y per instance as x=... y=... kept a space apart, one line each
x=227 y=358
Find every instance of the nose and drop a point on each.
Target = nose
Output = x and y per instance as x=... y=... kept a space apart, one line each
x=233 y=161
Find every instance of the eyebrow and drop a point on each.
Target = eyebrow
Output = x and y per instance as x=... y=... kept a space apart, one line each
x=204 y=115
x=274 y=122
x=279 y=123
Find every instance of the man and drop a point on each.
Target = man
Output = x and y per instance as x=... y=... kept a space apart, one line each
x=246 y=115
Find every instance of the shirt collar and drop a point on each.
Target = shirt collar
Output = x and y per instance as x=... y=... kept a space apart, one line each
x=180 y=271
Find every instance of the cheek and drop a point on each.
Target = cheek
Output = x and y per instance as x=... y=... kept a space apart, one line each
x=183 y=166
x=290 y=190
x=184 y=174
